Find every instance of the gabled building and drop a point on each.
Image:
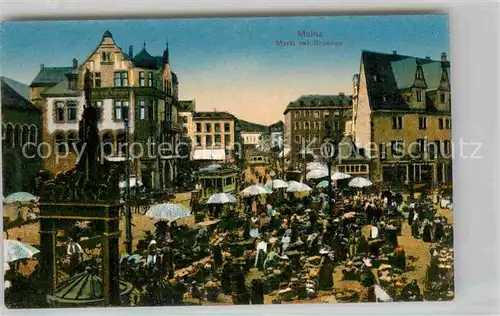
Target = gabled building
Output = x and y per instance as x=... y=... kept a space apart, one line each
x=138 y=92
x=402 y=117
x=21 y=137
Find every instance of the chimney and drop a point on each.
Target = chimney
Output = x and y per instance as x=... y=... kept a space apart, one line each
x=444 y=57
x=394 y=52
x=41 y=67
x=75 y=63
x=131 y=51
x=341 y=94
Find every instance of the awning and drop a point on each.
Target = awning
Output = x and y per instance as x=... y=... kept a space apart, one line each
x=209 y=154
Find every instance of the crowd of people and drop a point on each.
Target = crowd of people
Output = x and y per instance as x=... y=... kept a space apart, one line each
x=286 y=247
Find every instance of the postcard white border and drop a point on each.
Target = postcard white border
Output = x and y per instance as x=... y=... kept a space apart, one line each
x=474 y=51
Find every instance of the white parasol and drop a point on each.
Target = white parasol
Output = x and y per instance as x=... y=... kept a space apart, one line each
x=359 y=182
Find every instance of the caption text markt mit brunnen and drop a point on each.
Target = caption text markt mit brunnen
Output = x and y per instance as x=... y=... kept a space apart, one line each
x=308 y=38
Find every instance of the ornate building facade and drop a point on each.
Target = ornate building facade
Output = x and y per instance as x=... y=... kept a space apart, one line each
x=402 y=117
x=138 y=93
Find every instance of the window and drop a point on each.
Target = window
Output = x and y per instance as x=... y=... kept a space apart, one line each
x=375 y=78
x=72 y=139
x=198 y=127
x=448 y=123
x=217 y=127
x=142 y=110
x=150 y=79
x=106 y=57
x=97 y=79
x=198 y=140
x=208 y=127
x=306 y=126
x=297 y=138
x=442 y=98
x=419 y=96
x=317 y=125
x=141 y=79
x=316 y=114
x=422 y=145
x=208 y=140
x=108 y=144
x=441 y=125
x=397 y=147
x=297 y=125
x=408 y=99
x=436 y=151
x=98 y=106
x=59 y=142
x=17 y=136
x=382 y=151
x=9 y=134
x=447 y=147
x=422 y=122
x=227 y=139
x=419 y=75
x=306 y=113
x=71 y=109
x=121 y=79
x=217 y=139
x=151 y=111
x=25 y=135
x=33 y=134
x=397 y=122
x=59 y=111
x=227 y=128
x=118 y=111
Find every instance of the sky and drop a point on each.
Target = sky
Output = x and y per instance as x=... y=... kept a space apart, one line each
x=234 y=64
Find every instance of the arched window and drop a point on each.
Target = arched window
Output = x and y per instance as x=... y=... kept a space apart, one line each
x=306 y=126
x=60 y=143
x=9 y=136
x=72 y=140
x=108 y=144
x=121 y=143
x=33 y=134
x=17 y=135
x=26 y=132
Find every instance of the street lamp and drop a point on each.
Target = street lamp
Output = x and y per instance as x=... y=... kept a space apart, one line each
x=128 y=213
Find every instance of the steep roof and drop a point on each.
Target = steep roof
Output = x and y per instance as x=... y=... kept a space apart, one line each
x=12 y=99
x=404 y=72
x=22 y=89
x=322 y=100
x=387 y=74
x=250 y=127
x=144 y=60
x=214 y=115
x=62 y=90
x=49 y=76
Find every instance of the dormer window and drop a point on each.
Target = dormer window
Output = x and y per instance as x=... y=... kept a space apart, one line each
x=442 y=98
x=106 y=57
x=419 y=96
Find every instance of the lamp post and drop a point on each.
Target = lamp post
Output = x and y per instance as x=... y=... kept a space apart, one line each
x=128 y=213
